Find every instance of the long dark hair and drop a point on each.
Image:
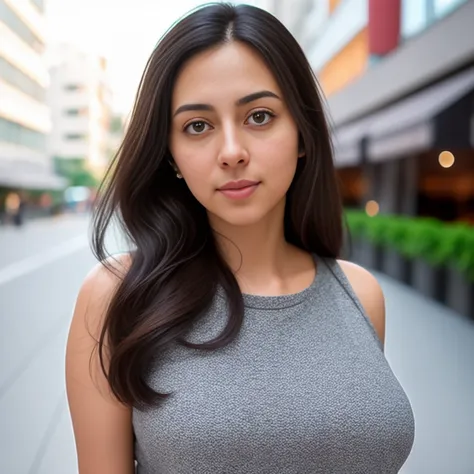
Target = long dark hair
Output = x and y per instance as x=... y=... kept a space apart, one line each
x=163 y=291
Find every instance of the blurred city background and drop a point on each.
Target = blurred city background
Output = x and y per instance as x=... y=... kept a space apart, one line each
x=399 y=80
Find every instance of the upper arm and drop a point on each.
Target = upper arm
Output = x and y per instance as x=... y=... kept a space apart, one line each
x=368 y=290
x=102 y=425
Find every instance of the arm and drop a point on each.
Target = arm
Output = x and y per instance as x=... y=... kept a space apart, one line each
x=102 y=426
x=368 y=290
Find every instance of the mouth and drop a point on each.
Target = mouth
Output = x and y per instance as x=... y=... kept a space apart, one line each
x=243 y=183
x=239 y=189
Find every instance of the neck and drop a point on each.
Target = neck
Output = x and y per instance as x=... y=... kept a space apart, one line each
x=258 y=254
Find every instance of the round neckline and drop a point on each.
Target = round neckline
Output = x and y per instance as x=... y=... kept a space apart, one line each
x=281 y=301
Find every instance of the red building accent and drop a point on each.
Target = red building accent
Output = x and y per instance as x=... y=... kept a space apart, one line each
x=384 y=26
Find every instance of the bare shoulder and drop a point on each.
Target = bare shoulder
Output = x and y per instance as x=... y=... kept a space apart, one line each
x=102 y=425
x=95 y=294
x=369 y=292
x=104 y=276
x=102 y=280
x=92 y=302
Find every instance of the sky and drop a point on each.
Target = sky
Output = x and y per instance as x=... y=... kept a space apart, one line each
x=124 y=31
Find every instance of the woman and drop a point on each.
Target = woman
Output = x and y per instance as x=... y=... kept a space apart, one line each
x=231 y=339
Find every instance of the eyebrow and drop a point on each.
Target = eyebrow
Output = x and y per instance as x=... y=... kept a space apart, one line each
x=242 y=101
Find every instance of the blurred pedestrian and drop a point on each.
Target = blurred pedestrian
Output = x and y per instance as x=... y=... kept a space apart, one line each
x=15 y=208
x=231 y=338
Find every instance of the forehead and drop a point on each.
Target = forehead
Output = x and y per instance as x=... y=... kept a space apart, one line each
x=227 y=72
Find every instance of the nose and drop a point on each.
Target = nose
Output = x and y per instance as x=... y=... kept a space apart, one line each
x=233 y=151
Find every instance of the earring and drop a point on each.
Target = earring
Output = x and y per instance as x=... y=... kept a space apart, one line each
x=175 y=169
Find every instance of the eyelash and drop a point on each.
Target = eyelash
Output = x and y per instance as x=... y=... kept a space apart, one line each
x=267 y=112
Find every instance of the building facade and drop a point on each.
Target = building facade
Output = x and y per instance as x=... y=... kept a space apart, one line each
x=403 y=101
x=301 y=17
x=81 y=103
x=399 y=77
x=24 y=114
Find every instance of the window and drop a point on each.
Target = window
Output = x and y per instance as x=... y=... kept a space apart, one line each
x=76 y=112
x=11 y=74
x=12 y=132
x=444 y=7
x=72 y=87
x=39 y=4
x=417 y=15
x=15 y=23
x=74 y=136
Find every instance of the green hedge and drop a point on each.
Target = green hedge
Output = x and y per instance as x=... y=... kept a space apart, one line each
x=437 y=242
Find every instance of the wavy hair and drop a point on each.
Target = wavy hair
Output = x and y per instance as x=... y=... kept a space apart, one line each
x=162 y=292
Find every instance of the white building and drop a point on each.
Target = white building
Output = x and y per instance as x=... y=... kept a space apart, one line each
x=304 y=18
x=80 y=102
x=24 y=116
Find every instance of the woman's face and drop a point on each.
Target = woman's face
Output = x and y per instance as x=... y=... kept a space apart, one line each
x=232 y=136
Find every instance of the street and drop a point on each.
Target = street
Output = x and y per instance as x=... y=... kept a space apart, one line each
x=430 y=349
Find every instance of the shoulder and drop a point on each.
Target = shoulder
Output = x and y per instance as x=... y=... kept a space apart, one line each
x=96 y=292
x=90 y=310
x=370 y=294
x=112 y=269
x=104 y=277
x=102 y=424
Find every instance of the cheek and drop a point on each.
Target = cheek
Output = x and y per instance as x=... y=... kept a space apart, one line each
x=279 y=157
x=196 y=166
x=185 y=156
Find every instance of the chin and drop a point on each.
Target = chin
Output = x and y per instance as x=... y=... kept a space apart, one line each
x=239 y=217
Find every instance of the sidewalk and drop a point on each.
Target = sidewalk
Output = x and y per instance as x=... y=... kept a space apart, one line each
x=431 y=351
x=38 y=235
x=38 y=223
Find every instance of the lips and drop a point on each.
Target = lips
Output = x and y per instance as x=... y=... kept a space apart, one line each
x=241 y=184
x=239 y=190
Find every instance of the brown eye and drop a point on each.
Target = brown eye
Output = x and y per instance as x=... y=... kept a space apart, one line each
x=260 y=118
x=196 y=128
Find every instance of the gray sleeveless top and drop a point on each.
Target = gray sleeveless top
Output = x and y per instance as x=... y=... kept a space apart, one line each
x=305 y=388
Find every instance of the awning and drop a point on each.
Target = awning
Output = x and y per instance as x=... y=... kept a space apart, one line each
x=347 y=141
x=404 y=127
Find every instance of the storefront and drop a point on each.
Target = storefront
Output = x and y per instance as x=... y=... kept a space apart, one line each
x=416 y=150
x=404 y=132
